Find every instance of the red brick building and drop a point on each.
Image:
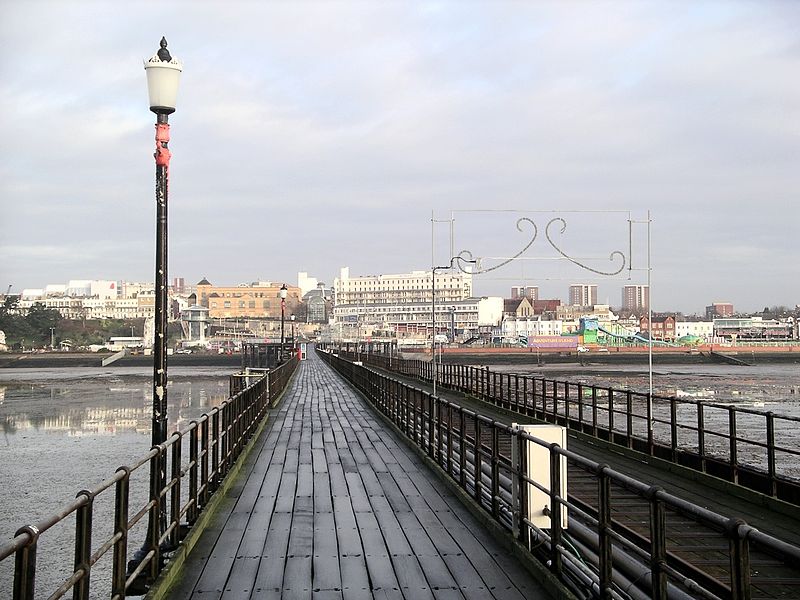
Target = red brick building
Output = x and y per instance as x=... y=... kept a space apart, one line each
x=663 y=327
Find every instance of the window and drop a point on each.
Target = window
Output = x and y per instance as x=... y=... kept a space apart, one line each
x=226 y=304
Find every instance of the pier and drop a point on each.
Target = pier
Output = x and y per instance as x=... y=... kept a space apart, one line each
x=335 y=505
x=343 y=476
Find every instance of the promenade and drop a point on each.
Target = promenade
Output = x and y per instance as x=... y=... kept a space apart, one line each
x=332 y=504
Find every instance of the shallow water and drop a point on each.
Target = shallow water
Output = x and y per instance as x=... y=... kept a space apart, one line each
x=69 y=429
x=66 y=430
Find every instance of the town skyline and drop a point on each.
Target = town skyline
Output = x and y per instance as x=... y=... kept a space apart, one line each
x=318 y=135
x=563 y=296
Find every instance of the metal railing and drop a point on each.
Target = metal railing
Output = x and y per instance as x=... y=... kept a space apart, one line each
x=213 y=442
x=599 y=556
x=752 y=448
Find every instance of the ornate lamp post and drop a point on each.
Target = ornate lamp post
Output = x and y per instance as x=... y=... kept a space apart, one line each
x=283 y=294
x=291 y=318
x=163 y=74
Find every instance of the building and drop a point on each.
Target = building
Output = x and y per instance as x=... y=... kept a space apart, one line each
x=636 y=298
x=663 y=327
x=517 y=308
x=457 y=319
x=546 y=306
x=719 y=309
x=701 y=329
x=517 y=329
x=753 y=329
x=582 y=294
x=306 y=283
x=402 y=288
x=258 y=300
x=92 y=299
x=318 y=304
x=401 y=305
x=531 y=292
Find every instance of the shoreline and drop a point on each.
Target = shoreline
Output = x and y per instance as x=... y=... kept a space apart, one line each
x=60 y=360
x=485 y=356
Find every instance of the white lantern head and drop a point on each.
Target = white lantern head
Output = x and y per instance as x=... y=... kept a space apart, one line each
x=284 y=292
x=163 y=74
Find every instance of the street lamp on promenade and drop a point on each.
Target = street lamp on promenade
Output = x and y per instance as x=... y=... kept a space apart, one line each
x=163 y=74
x=283 y=293
x=433 y=310
x=291 y=318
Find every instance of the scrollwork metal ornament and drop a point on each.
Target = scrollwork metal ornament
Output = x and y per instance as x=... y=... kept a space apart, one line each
x=466 y=255
x=576 y=262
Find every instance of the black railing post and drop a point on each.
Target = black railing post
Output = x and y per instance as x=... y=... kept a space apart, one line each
x=431 y=422
x=556 y=561
x=495 y=471
x=83 y=546
x=522 y=485
x=477 y=462
x=734 y=456
x=153 y=533
x=611 y=415
x=462 y=449
x=771 y=467
x=121 y=503
x=175 y=492
x=673 y=428
x=701 y=435
x=739 y=560
x=580 y=406
x=204 y=450
x=215 y=435
x=604 y=526
x=594 y=411
x=658 y=545
x=629 y=409
x=25 y=565
x=650 y=425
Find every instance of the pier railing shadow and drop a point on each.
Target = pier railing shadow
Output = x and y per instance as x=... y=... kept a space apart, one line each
x=198 y=458
x=617 y=537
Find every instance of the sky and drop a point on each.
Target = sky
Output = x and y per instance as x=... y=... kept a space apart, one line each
x=310 y=136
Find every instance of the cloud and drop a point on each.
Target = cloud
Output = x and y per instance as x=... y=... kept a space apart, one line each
x=312 y=135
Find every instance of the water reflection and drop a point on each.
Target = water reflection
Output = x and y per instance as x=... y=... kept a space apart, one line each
x=103 y=408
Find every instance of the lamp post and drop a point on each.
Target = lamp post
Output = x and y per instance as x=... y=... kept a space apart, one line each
x=163 y=74
x=291 y=318
x=283 y=293
x=433 y=311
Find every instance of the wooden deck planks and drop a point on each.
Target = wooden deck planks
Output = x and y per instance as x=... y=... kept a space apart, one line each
x=336 y=506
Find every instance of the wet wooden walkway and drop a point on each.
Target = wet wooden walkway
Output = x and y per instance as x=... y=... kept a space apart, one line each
x=333 y=505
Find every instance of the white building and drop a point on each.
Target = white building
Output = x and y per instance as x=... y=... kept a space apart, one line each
x=306 y=283
x=701 y=329
x=413 y=287
x=530 y=326
x=459 y=319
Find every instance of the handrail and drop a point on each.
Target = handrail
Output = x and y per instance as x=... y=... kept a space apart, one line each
x=214 y=442
x=488 y=460
x=748 y=447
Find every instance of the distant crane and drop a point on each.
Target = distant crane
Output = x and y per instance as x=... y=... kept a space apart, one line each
x=8 y=291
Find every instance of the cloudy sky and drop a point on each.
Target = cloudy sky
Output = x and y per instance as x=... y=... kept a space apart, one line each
x=314 y=135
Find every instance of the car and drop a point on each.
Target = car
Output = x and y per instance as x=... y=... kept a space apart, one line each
x=582 y=349
x=602 y=349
